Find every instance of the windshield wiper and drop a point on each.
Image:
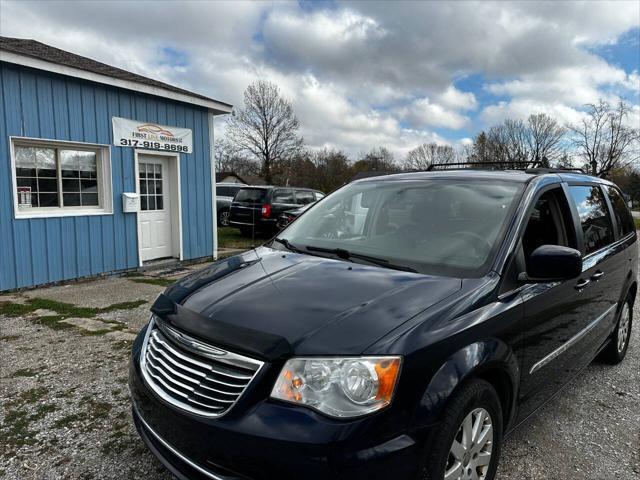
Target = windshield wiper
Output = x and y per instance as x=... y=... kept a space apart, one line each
x=347 y=255
x=288 y=245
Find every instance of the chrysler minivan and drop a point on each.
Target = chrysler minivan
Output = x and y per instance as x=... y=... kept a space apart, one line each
x=398 y=329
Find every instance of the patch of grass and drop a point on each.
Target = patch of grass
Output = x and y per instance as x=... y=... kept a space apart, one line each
x=53 y=321
x=28 y=396
x=93 y=333
x=10 y=309
x=17 y=423
x=160 y=282
x=24 y=372
x=122 y=306
x=637 y=221
x=99 y=409
x=68 y=420
x=62 y=308
x=232 y=238
x=9 y=338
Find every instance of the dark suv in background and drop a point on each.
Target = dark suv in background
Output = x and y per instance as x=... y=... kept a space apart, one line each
x=397 y=329
x=258 y=208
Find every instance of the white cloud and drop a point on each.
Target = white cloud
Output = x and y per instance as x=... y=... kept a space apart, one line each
x=360 y=74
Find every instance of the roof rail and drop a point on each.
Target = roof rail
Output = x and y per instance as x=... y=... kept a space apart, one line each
x=484 y=166
x=558 y=170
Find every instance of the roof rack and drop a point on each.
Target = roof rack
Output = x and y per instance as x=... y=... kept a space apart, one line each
x=484 y=166
x=528 y=167
x=558 y=170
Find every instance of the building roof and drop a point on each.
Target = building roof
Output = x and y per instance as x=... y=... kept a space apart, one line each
x=16 y=50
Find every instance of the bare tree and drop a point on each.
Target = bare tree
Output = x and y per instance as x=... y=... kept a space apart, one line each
x=425 y=155
x=265 y=127
x=228 y=159
x=544 y=139
x=376 y=159
x=603 y=138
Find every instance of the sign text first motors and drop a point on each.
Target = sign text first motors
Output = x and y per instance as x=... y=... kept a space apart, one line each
x=130 y=133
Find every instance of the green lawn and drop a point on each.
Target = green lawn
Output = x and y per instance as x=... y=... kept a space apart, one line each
x=230 y=238
x=637 y=220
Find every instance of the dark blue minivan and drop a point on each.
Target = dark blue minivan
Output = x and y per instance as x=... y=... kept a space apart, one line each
x=397 y=329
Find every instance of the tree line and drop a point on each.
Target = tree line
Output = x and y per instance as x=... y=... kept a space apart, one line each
x=262 y=140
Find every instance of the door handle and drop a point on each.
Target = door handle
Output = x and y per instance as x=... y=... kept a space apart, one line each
x=597 y=276
x=582 y=284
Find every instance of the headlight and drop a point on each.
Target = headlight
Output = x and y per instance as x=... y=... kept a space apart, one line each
x=339 y=387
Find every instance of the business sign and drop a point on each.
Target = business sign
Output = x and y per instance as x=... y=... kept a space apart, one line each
x=130 y=133
x=24 y=196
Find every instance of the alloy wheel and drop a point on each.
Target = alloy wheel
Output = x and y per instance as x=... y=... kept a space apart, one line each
x=623 y=327
x=470 y=452
x=224 y=219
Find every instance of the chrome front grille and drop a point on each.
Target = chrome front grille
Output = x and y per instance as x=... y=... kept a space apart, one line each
x=193 y=375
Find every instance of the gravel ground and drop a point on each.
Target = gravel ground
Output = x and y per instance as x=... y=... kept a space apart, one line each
x=65 y=403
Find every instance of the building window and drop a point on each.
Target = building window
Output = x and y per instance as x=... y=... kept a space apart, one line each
x=58 y=179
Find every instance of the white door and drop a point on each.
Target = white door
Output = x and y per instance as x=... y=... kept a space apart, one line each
x=154 y=218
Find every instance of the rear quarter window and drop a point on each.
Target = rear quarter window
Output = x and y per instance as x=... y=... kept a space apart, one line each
x=597 y=228
x=624 y=220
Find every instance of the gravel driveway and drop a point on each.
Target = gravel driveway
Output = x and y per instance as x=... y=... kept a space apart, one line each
x=65 y=404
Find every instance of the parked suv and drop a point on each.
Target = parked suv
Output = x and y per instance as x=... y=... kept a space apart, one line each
x=258 y=208
x=224 y=197
x=398 y=329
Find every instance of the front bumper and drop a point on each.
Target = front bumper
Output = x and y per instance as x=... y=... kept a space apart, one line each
x=267 y=440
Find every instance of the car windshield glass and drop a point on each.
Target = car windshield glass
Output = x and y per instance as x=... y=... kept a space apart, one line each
x=251 y=195
x=440 y=227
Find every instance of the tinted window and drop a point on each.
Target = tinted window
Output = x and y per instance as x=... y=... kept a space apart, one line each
x=226 y=191
x=548 y=224
x=254 y=195
x=624 y=219
x=283 y=195
x=594 y=217
x=305 y=197
x=447 y=228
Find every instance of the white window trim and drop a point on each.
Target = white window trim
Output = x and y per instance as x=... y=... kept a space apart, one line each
x=105 y=180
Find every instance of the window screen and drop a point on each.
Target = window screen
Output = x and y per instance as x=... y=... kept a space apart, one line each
x=594 y=217
x=625 y=222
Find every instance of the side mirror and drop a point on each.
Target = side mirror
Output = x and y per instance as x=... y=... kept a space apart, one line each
x=553 y=263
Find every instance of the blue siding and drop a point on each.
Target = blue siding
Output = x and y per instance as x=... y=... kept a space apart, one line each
x=42 y=105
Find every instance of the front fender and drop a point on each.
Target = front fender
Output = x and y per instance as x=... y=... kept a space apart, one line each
x=491 y=358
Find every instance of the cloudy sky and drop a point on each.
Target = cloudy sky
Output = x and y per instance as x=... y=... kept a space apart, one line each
x=363 y=74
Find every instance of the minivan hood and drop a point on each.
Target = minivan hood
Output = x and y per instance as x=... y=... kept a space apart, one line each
x=274 y=303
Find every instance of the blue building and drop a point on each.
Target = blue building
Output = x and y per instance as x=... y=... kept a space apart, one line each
x=101 y=169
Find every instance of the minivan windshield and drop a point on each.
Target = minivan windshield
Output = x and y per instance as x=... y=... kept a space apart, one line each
x=439 y=227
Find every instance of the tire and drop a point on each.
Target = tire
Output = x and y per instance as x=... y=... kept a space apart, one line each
x=617 y=348
x=223 y=218
x=474 y=400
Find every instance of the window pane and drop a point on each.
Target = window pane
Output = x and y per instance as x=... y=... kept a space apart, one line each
x=89 y=186
x=283 y=196
x=32 y=159
x=70 y=185
x=158 y=187
x=90 y=199
x=151 y=202
x=159 y=202
x=143 y=187
x=158 y=170
x=48 y=200
x=594 y=217
x=304 y=197
x=27 y=182
x=624 y=219
x=76 y=162
x=71 y=199
x=142 y=170
x=48 y=185
x=143 y=202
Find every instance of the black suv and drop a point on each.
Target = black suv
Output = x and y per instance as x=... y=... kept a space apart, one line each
x=258 y=208
x=397 y=329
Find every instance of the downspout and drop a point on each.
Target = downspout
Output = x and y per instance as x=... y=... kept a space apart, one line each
x=214 y=208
